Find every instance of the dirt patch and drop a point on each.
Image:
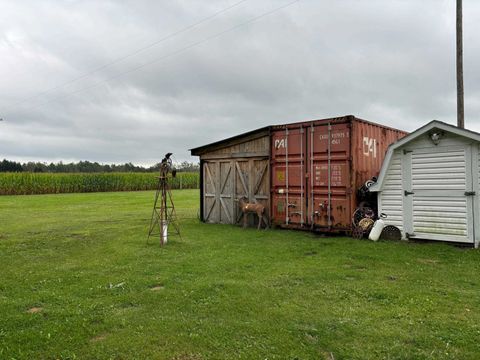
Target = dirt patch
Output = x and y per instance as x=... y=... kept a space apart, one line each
x=428 y=261
x=157 y=287
x=98 y=338
x=355 y=267
x=77 y=236
x=391 y=277
x=34 y=310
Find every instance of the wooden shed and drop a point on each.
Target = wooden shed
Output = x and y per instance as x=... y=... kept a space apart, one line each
x=429 y=184
x=232 y=168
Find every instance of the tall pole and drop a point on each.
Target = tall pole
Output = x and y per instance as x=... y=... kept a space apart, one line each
x=460 y=105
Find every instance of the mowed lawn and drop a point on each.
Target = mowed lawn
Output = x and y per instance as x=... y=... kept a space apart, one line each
x=79 y=281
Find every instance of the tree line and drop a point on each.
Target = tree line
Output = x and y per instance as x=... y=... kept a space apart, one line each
x=88 y=167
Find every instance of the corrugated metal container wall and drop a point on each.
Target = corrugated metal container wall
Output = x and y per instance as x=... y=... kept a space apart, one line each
x=369 y=146
x=288 y=182
x=318 y=166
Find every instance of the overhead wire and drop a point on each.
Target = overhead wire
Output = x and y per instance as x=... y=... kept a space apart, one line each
x=171 y=54
x=131 y=54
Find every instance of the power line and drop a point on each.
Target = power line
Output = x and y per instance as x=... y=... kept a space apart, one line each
x=174 y=53
x=129 y=55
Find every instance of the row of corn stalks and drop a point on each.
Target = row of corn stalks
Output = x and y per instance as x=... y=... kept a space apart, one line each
x=24 y=183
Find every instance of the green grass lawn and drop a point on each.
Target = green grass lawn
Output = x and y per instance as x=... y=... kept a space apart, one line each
x=79 y=281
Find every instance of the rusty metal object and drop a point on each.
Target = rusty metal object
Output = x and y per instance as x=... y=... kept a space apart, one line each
x=366 y=224
x=358 y=232
x=164 y=215
x=362 y=213
x=391 y=232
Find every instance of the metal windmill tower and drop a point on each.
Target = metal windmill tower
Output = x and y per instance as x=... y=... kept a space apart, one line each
x=164 y=217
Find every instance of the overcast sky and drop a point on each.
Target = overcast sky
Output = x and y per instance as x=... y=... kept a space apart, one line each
x=75 y=83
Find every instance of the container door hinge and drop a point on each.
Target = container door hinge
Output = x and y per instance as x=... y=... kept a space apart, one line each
x=408 y=193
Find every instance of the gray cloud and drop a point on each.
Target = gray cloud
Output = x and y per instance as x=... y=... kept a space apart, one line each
x=391 y=62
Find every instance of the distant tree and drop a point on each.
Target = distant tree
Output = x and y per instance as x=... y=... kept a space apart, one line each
x=184 y=166
x=89 y=167
x=10 y=166
x=187 y=166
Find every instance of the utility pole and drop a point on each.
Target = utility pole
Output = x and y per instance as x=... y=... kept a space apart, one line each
x=460 y=105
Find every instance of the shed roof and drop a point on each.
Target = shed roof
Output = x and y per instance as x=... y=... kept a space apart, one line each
x=431 y=126
x=266 y=130
x=231 y=140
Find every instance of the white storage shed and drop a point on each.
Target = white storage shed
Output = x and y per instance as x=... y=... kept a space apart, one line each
x=429 y=184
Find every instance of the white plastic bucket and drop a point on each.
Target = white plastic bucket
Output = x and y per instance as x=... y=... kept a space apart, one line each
x=377 y=228
x=164 y=231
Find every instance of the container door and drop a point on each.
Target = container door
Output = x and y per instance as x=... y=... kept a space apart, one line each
x=329 y=176
x=288 y=177
x=442 y=196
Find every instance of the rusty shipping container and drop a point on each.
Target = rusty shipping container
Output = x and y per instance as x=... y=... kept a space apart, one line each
x=317 y=167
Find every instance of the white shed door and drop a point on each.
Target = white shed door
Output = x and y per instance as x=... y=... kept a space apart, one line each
x=442 y=208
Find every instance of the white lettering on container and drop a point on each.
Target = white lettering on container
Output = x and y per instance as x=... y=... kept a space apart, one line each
x=369 y=147
x=335 y=137
x=280 y=143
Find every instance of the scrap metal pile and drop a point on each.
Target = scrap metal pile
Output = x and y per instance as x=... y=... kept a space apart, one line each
x=366 y=222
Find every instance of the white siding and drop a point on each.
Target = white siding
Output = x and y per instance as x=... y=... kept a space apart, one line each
x=439 y=183
x=439 y=170
x=440 y=215
x=391 y=197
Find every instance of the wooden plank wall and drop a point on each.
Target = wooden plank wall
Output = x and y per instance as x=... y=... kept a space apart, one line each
x=242 y=169
x=257 y=147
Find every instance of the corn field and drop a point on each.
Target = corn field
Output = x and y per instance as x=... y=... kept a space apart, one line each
x=24 y=183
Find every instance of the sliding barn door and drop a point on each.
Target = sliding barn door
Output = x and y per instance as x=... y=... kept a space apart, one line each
x=225 y=181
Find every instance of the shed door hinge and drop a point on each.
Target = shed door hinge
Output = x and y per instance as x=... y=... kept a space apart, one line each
x=469 y=193
x=408 y=193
